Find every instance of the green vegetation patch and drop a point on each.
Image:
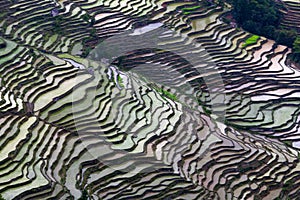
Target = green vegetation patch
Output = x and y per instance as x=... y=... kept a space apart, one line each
x=166 y=93
x=263 y=17
x=295 y=57
x=2 y=43
x=84 y=195
x=120 y=81
x=251 y=40
x=296 y=45
x=191 y=8
x=3 y=14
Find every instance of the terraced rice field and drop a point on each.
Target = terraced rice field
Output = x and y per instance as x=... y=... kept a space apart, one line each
x=145 y=99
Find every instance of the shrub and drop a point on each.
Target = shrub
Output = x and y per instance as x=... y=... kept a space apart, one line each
x=84 y=195
x=262 y=17
x=296 y=45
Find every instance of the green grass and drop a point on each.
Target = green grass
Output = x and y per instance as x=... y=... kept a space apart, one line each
x=167 y=94
x=251 y=40
x=120 y=81
x=2 y=42
x=288 y=143
x=190 y=8
x=3 y=14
